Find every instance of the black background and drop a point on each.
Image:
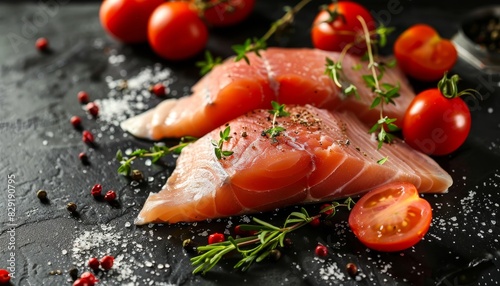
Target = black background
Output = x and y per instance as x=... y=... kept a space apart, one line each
x=39 y=147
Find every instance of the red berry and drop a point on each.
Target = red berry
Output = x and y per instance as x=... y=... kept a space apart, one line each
x=159 y=89
x=4 y=276
x=110 y=196
x=87 y=137
x=76 y=121
x=321 y=250
x=89 y=278
x=80 y=282
x=328 y=212
x=42 y=44
x=96 y=190
x=93 y=263
x=83 y=97
x=107 y=262
x=315 y=221
x=215 y=238
x=92 y=108
x=241 y=232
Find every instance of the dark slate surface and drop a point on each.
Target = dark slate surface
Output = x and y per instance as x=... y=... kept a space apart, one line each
x=39 y=151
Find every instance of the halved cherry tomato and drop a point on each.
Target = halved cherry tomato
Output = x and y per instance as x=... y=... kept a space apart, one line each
x=175 y=31
x=228 y=13
x=127 y=20
x=334 y=34
x=391 y=218
x=423 y=54
x=436 y=125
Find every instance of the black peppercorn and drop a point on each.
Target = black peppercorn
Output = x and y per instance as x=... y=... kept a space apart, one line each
x=71 y=207
x=41 y=195
x=136 y=175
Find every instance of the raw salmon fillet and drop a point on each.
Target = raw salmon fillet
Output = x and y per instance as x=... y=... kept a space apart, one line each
x=289 y=76
x=321 y=156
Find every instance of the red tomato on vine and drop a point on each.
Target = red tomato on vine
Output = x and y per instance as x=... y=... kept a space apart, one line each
x=437 y=121
x=176 y=32
x=338 y=26
x=127 y=20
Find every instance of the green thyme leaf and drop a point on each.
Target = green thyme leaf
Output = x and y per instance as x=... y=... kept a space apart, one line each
x=209 y=63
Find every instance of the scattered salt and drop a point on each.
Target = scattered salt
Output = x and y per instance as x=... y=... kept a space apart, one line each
x=127 y=98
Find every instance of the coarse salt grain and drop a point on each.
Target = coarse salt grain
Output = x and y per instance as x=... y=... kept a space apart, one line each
x=129 y=97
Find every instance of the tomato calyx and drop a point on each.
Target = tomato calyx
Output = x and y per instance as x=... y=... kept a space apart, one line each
x=449 y=88
x=334 y=15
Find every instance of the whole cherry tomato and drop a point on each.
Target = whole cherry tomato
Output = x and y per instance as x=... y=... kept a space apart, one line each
x=228 y=13
x=423 y=54
x=391 y=218
x=127 y=20
x=339 y=26
x=437 y=124
x=175 y=31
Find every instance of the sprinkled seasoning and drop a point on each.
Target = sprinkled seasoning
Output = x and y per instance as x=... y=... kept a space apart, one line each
x=136 y=175
x=352 y=269
x=87 y=137
x=92 y=108
x=42 y=44
x=83 y=97
x=83 y=158
x=129 y=97
x=71 y=207
x=41 y=195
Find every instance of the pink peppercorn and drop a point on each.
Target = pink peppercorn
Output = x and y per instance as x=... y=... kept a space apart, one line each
x=96 y=190
x=110 y=196
x=76 y=121
x=42 y=44
x=92 y=108
x=87 y=137
x=83 y=97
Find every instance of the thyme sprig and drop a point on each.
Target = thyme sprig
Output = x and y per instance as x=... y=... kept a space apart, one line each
x=256 y=45
x=209 y=63
x=257 y=247
x=384 y=93
x=277 y=111
x=224 y=137
x=155 y=153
